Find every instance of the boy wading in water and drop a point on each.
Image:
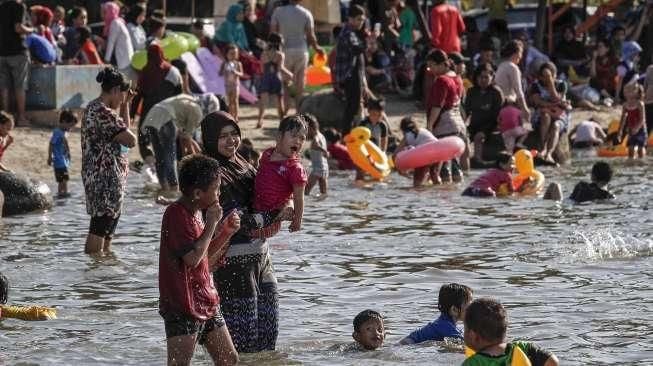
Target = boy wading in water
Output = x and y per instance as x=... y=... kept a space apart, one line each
x=190 y=250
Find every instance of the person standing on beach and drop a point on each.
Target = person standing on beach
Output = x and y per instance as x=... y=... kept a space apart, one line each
x=105 y=136
x=295 y=24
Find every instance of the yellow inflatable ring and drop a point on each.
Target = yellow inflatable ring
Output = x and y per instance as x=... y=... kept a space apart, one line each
x=526 y=170
x=32 y=312
x=365 y=154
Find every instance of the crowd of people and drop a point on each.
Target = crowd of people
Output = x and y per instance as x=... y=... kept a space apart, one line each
x=225 y=198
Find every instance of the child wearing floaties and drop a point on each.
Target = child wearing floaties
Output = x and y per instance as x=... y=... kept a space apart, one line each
x=6 y=125
x=486 y=324
x=191 y=248
x=495 y=180
x=415 y=136
x=59 y=151
x=369 y=330
x=598 y=189
x=281 y=175
x=633 y=120
x=453 y=300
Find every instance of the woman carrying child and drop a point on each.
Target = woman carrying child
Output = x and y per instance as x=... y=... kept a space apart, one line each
x=415 y=136
x=271 y=81
x=246 y=281
x=633 y=120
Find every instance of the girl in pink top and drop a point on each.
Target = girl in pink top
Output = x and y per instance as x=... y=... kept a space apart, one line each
x=490 y=183
x=510 y=125
x=281 y=174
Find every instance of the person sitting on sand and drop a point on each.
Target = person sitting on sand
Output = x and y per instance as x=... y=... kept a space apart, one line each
x=597 y=190
x=586 y=134
x=486 y=324
x=369 y=330
x=6 y=125
x=453 y=299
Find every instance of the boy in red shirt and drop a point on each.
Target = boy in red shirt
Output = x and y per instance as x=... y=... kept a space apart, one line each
x=190 y=249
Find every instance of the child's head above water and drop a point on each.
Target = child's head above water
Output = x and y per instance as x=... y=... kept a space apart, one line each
x=453 y=300
x=291 y=135
x=369 y=330
x=375 y=109
x=199 y=179
x=601 y=172
x=67 y=119
x=486 y=323
x=6 y=123
x=505 y=162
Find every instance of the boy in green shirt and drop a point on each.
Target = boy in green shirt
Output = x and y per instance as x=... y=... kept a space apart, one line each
x=485 y=332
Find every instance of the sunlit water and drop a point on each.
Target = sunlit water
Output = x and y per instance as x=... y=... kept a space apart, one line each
x=575 y=278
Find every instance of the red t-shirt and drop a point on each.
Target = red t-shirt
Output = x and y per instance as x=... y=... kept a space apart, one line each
x=182 y=289
x=492 y=180
x=446 y=27
x=339 y=152
x=91 y=53
x=446 y=92
x=275 y=181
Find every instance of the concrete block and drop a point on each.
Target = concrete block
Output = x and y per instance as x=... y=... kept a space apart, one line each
x=62 y=86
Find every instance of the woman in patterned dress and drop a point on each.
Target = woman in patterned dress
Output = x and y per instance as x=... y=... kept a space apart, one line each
x=105 y=142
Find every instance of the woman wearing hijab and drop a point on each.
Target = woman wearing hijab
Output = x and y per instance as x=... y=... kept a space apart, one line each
x=233 y=31
x=157 y=81
x=246 y=282
x=119 y=43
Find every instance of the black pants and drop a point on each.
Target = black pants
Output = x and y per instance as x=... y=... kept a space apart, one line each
x=353 y=88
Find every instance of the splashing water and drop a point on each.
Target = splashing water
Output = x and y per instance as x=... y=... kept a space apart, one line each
x=605 y=244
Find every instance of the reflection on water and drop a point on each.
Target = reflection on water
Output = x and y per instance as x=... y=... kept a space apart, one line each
x=576 y=278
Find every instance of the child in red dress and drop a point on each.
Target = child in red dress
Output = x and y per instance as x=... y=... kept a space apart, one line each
x=281 y=174
x=191 y=247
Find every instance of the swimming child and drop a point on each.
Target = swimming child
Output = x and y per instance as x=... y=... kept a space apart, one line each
x=453 y=299
x=274 y=72
x=232 y=71
x=486 y=324
x=281 y=175
x=415 y=136
x=633 y=120
x=492 y=182
x=510 y=125
x=598 y=189
x=337 y=150
x=59 y=151
x=6 y=125
x=319 y=154
x=191 y=247
x=369 y=331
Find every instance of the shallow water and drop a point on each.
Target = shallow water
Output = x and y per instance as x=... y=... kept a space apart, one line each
x=575 y=278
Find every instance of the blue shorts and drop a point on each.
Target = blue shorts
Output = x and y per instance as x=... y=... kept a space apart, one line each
x=638 y=139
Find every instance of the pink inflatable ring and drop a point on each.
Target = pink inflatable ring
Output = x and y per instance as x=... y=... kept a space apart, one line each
x=429 y=153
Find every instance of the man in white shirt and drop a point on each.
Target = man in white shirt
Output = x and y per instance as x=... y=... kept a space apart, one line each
x=295 y=24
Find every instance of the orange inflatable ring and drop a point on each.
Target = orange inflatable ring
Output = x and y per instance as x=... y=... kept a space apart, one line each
x=365 y=154
x=526 y=170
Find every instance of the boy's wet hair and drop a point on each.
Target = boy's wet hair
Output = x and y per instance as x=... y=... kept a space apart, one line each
x=197 y=172
x=376 y=104
x=4 y=289
x=67 y=116
x=292 y=124
x=602 y=172
x=488 y=318
x=311 y=120
x=332 y=135
x=502 y=158
x=5 y=117
x=453 y=294
x=364 y=316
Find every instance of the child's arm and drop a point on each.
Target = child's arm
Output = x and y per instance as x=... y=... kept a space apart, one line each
x=201 y=246
x=66 y=146
x=50 y=154
x=298 y=202
x=284 y=71
x=218 y=246
x=642 y=116
x=622 y=123
x=239 y=70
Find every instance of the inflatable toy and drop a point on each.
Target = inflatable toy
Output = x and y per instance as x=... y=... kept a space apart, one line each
x=32 y=312
x=613 y=151
x=173 y=46
x=519 y=358
x=193 y=42
x=429 y=153
x=365 y=154
x=526 y=170
x=22 y=195
x=318 y=73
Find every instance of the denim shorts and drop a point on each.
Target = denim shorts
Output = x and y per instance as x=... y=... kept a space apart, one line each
x=181 y=324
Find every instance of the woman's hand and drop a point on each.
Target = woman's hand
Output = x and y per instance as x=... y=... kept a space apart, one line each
x=129 y=96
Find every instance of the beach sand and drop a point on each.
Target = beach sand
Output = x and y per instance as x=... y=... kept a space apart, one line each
x=28 y=154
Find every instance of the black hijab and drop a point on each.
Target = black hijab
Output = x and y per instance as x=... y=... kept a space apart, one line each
x=237 y=177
